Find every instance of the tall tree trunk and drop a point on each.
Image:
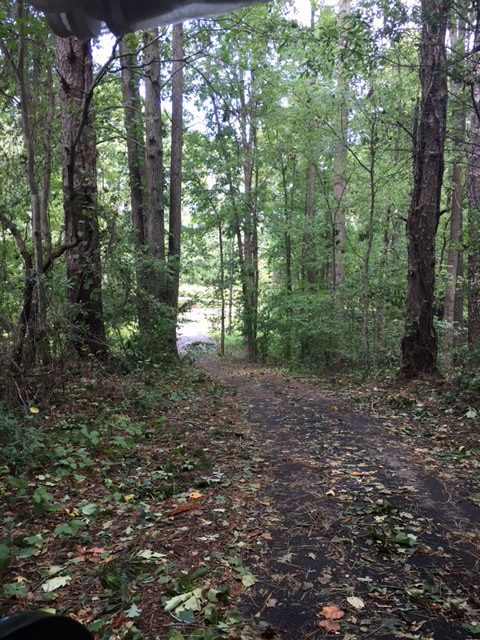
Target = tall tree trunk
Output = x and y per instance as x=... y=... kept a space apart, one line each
x=36 y=343
x=454 y=265
x=288 y=199
x=473 y=187
x=47 y=171
x=474 y=229
x=176 y=163
x=84 y=273
x=250 y=244
x=340 y=163
x=368 y=252
x=311 y=270
x=155 y=208
x=248 y=132
x=231 y=261
x=134 y=128
x=419 y=345
x=222 y=288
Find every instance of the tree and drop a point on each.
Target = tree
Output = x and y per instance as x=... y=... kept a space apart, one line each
x=419 y=345
x=473 y=181
x=154 y=167
x=135 y=140
x=175 y=212
x=84 y=273
x=453 y=310
x=341 y=158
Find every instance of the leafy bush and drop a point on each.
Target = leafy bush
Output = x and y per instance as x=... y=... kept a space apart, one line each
x=22 y=445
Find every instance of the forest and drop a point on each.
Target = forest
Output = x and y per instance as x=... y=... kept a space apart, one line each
x=240 y=322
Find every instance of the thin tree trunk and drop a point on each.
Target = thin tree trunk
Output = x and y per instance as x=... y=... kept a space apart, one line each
x=37 y=344
x=340 y=164
x=473 y=187
x=368 y=252
x=311 y=271
x=230 y=286
x=250 y=235
x=222 y=289
x=419 y=345
x=136 y=153
x=288 y=206
x=84 y=273
x=175 y=224
x=47 y=171
x=450 y=312
x=155 y=209
x=474 y=229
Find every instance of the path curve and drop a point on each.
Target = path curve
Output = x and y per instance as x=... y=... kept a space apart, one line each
x=355 y=515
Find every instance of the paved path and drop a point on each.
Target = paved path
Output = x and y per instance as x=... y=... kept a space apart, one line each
x=353 y=511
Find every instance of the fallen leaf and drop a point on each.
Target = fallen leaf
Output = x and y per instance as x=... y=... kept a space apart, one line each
x=183 y=508
x=332 y=612
x=34 y=410
x=271 y=602
x=329 y=626
x=129 y=498
x=56 y=583
x=286 y=558
x=133 y=612
x=195 y=495
x=357 y=603
x=248 y=580
x=96 y=550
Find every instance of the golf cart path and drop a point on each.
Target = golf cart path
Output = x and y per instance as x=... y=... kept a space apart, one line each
x=351 y=510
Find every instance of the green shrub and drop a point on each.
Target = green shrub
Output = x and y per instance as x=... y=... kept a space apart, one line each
x=22 y=444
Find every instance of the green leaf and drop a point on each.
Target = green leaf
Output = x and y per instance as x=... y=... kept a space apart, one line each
x=176 y=601
x=15 y=590
x=56 y=583
x=133 y=612
x=212 y=595
x=148 y=554
x=248 y=580
x=89 y=509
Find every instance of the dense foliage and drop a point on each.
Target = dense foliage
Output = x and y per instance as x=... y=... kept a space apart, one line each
x=293 y=174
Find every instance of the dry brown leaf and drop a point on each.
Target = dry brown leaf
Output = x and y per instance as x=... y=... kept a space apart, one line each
x=183 y=508
x=332 y=612
x=271 y=602
x=330 y=626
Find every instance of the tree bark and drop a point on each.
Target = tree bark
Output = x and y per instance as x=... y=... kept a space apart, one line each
x=454 y=261
x=176 y=166
x=222 y=288
x=419 y=345
x=474 y=228
x=340 y=163
x=36 y=345
x=84 y=273
x=134 y=128
x=47 y=172
x=370 y=235
x=155 y=209
x=311 y=271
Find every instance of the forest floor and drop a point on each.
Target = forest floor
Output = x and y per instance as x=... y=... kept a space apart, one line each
x=239 y=501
